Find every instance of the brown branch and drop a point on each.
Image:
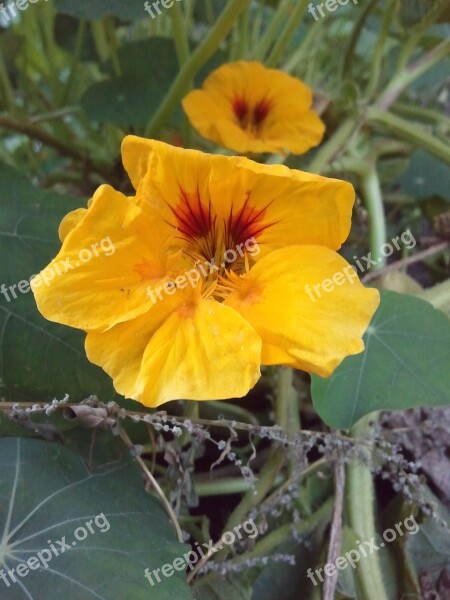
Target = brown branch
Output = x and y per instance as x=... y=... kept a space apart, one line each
x=406 y=262
x=336 y=530
x=39 y=134
x=156 y=486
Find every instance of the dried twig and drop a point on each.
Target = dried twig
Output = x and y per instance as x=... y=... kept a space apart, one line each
x=156 y=486
x=336 y=530
x=406 y=262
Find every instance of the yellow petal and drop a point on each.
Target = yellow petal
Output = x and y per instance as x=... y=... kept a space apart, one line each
x=120 y=349
x=198 y=350
x=70 y=221
x=136 y=156
x=285 y=298
x=250 y=108
x=101 y=274
x=276 y=205
x=283 y=206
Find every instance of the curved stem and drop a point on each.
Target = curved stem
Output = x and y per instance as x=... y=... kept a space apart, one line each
x=361 y=511
x=378 y=54
x=371 y=188
x=411 y=73
x=360 y=486
x=180 y=33
x=6 y=88
x=272 y=30
x=196 y=61
x=156 y=486
x=326 y=153
x=410 y=132
x=287 y=34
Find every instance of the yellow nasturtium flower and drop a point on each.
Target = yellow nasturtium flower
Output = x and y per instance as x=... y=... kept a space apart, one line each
x=249 y=108
x=211 y=275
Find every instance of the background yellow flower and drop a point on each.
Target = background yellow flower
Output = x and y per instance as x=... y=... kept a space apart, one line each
x=249 y=108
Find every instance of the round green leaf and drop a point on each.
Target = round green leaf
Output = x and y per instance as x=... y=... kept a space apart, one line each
x=38 y=359
x=128 y=10
x=405 y=364
x=91 y=534
x=148 y=68
x=426 y=176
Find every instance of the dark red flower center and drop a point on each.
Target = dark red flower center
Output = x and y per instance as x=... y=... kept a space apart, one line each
x=251 y=117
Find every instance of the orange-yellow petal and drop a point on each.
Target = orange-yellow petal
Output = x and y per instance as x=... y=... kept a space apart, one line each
x=136 y=156
x=101 y=274
x=185 y=348
x=276 y=205
x=70 y=221
x=250 y=108
x=308 y=306
x=283 y=206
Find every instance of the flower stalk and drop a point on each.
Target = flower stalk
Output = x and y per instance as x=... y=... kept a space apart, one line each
x=196 y=61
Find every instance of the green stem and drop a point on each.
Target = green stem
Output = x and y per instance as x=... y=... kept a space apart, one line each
x=6 y=89
x=100 y=40
x=234 y=411
x=209 y=9
x=410 y=132
x=244 y=36
x=410 y=45
x=273 y=29
x=43 y=136
x=272 y=540
x=286 y=413
x=111 y=40
x=327 y=152
x=378 y=54
x=360 y=505
x=371 y=189
x=191 y=67
x=66 y=91
x=285 y=37
x=357 y=30
x=304 y=49
x=266 y=479
x=180 y=33
x=423 y=114
x=224 y=486
x=410 y=74
x=360 y=486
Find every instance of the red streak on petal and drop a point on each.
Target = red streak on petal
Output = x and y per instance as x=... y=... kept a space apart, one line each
x=261 y=111
x=240 y=108
x=246 y=224
x=194 y=219
x=251 y=117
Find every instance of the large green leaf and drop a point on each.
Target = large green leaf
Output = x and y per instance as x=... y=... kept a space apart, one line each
x=48 y=495
x=405 y=364
x=231 y=588
x=148 y=68
x=96 y=9
x=426 y=176
x=38 y=359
